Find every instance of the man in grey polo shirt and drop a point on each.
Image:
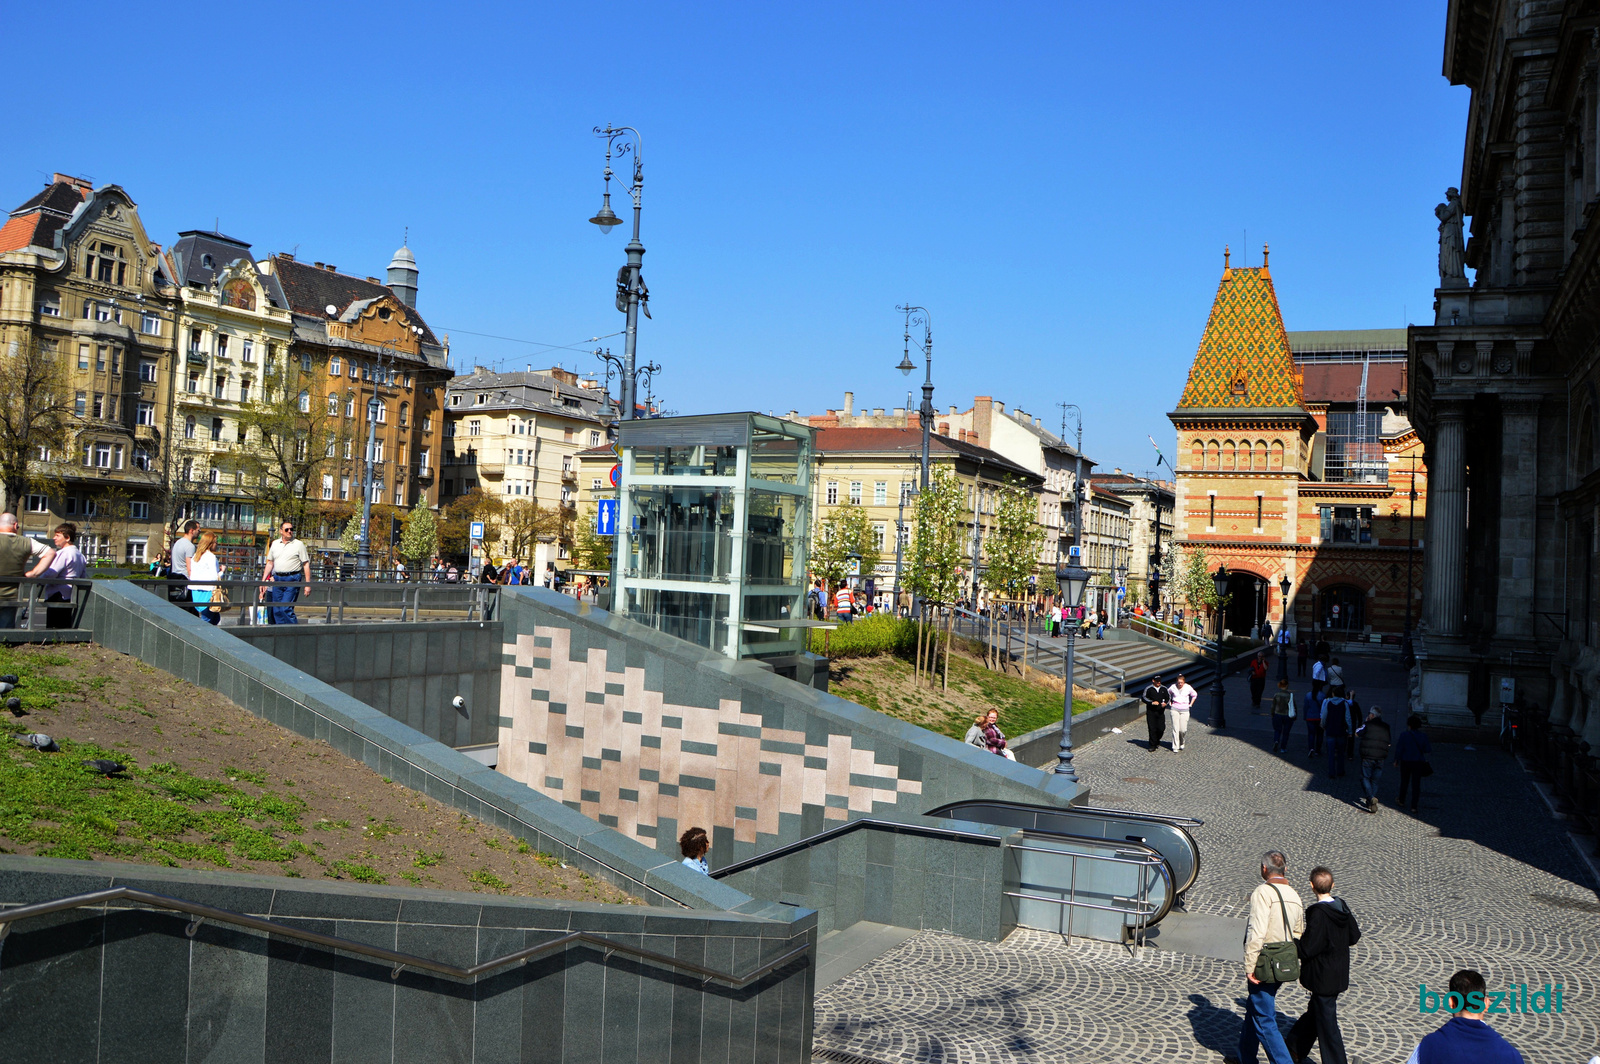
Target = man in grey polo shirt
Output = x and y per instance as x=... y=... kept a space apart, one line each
x=288 y=566
x=182 y=555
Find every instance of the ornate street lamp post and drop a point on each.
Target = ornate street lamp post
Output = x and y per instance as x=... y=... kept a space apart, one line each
x=632 y=295
x=1072 y=579
x=1219 y=720
x=906 y=366
x=1284 y=586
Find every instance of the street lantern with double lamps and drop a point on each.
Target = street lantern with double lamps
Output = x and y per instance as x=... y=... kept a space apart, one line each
x=632 y=295
x=1284 y=586
x=1072 y=578
x=1219 y=581
x=906 y=366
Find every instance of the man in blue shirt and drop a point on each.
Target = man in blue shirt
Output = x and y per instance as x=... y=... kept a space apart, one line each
x=1465 y=1039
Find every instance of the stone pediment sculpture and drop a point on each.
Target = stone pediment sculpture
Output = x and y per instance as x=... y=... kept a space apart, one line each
x=1452 y=254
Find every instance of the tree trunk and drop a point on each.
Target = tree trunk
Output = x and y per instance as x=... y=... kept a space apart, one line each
x=950 y=618
x=916 y=672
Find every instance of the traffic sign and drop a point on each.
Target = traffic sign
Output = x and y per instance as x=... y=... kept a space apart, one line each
x=616 y=475
x=477 y=530
x=605 y=518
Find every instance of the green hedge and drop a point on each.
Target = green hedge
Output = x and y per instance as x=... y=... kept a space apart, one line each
x=881 y=633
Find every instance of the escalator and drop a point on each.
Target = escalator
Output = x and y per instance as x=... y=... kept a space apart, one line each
x=1167 y=835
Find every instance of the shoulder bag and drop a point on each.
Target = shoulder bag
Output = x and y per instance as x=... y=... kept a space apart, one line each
x=1279 y=962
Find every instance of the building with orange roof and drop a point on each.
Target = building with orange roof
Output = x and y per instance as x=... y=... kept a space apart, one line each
x=1297 y=460
x=80 y=280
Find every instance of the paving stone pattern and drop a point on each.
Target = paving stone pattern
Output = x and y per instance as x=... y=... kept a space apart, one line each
x=1483 y=877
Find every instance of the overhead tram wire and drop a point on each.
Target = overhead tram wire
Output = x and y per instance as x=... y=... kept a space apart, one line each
x=581 y=347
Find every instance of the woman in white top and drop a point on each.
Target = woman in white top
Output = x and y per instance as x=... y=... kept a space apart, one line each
x=1180 y=698
x=204 y=572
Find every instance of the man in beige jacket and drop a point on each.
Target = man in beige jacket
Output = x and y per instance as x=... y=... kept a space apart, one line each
x=1276 y=915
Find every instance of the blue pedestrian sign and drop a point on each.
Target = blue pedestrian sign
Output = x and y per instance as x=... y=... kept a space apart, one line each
x=477 y=530
x=605 y=518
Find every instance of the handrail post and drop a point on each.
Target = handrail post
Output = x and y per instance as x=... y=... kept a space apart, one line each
x=342 y=587
x=33 y=590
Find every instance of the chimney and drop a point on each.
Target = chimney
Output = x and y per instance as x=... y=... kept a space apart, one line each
x=983 y=408
x=1117 y=470
x=952 y=410
x=944 y=427
x=317 y=265
x=1035 y=422
x=68 y=179
x=849 y=403
x=877 y=411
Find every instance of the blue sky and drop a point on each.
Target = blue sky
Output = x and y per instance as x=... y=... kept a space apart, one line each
x=1055 y=182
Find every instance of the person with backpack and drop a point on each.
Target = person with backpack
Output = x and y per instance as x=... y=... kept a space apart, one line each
x=1375 y=738
x=1324 y=948
x=1258 y=682
x=1283 y=710
x=1335 y=728
x=1313 y=716
x=1277 y=919
x=844 y=604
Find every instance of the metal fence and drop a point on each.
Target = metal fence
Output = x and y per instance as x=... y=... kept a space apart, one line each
x=246 y=602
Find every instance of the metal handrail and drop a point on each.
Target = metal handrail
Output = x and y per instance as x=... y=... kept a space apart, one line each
x=1143 y=909
x=1081 y=657
x=1173 y=819
x=399 y=960
x=1166 y=631
x=479 y=605
x=848 y=826
x=33 y=584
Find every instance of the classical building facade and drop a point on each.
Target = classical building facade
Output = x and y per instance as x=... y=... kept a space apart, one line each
x=1016 y=435
x=873 y=467
x=1150 y=509
x=1508 y=375
x=1299 y=467
x=360 y=344
x=81 y=280
x=235 y=331
x=518 y=436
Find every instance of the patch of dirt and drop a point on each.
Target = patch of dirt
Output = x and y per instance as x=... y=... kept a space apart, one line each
x=208 y=785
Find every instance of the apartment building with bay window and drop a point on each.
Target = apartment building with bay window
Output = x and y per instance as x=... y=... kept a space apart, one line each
x=82 y=283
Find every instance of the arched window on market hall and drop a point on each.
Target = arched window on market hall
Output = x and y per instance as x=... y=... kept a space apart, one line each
x=1277 y=454
x=1261 y=454
x=1213 y=455
x=1227 y=454
x=1198 y=457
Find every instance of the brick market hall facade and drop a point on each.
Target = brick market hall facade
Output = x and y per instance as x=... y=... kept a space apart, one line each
x=1297 y=460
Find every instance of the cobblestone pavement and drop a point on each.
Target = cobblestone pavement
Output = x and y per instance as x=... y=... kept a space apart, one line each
x=1483 y=877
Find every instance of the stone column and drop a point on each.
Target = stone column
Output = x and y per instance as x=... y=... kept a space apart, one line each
x=1519 y=457
x=1447 y=520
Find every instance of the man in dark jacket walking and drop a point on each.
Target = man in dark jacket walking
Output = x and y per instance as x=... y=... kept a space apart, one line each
x=1331 y=930
x=1374 y=738
x=1155 y=710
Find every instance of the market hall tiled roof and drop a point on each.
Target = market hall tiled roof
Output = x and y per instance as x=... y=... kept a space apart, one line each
x=1244 y=361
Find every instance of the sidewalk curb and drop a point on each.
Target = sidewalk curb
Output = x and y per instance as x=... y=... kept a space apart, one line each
x=1543 y=790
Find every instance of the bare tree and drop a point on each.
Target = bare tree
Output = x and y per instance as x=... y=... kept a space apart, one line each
x=36 y=415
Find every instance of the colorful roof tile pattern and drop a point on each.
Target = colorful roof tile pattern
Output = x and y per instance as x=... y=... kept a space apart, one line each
x=1244 y=360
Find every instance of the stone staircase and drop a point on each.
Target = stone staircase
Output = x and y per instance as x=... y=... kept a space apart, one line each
x=1123 y=661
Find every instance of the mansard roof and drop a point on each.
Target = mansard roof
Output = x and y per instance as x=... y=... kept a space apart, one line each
x=311 y=289
x=34 y=224
x=1244 y=363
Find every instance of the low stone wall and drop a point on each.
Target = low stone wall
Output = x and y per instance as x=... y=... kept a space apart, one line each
x=891 y=876
x=651 y=734
x=124 y=982
x=409 y=671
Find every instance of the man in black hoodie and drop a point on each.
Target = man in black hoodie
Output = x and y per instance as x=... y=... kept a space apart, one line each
x=1324 y=971
x=1155 y=710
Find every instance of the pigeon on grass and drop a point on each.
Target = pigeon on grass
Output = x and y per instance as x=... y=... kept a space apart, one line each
x=15 y=706
x=10 y=678
x=103 y=767
x=38 y=740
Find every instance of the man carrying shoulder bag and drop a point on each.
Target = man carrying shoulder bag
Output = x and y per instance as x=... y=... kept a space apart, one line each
x=1271 y=958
